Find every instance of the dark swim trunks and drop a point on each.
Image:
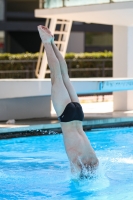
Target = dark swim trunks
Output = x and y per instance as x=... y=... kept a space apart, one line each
x=73 y=111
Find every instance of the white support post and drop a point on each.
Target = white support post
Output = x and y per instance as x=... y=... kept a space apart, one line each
x=43 y=67
x=123 y=64
x=62 y=43
x=52 y=25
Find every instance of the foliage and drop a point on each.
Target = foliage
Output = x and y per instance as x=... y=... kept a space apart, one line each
x=30 y=56
x=22 y=56
x=26 y=63
x=93 y=55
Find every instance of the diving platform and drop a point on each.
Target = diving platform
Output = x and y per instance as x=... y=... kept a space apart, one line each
x=100 y=12
x=119 y=14
x=31 y=98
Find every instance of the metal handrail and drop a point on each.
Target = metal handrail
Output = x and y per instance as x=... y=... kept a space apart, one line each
x=18 y=61
x=67 y=60
x=100 y=67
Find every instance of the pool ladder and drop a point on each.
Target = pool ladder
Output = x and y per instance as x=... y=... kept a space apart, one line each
x=61 y=31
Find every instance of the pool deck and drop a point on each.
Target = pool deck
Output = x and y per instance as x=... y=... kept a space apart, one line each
x=97 y=115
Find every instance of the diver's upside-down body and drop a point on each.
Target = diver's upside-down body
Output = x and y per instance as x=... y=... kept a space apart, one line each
x=68 y=108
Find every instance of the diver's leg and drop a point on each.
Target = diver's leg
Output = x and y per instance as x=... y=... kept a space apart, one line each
x=59 y=94
x=65 y=76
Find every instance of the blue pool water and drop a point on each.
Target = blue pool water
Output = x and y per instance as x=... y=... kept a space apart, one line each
x=37 y=168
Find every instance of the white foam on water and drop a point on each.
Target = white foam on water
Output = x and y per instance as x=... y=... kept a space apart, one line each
x=118 y=168
x=124 y=160
x=97 y=180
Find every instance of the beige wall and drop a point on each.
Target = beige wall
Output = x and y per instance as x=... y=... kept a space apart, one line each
x=76 y=42
x=25 y=108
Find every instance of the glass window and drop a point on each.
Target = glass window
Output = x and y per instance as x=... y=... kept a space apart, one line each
x=98 y=39
x=61 y=3
x=121 y=0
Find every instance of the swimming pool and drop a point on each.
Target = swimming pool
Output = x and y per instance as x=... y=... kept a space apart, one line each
x=37 y=168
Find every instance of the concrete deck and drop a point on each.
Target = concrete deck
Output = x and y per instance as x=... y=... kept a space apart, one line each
x=97 y=115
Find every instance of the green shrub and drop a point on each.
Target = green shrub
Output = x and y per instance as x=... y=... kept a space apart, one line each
x=74 y=60
x=93 y=55
x=30 y=56
x=22 y=56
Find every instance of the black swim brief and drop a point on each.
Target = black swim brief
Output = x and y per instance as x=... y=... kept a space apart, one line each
x=73 y=111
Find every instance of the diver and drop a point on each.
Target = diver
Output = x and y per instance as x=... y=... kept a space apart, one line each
x=68 y=109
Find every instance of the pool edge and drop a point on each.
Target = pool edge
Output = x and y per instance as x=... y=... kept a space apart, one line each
x=44 y=129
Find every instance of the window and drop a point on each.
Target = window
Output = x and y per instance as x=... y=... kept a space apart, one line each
x=98 y=41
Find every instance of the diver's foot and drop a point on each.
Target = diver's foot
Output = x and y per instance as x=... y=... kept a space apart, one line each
x=89 y=170
x=45 y=34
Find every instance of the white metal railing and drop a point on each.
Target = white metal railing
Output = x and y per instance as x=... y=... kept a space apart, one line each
x=62 y=42
x=41 y=52
x=68 y=3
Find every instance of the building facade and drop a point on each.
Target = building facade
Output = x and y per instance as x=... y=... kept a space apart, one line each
x=18 y=32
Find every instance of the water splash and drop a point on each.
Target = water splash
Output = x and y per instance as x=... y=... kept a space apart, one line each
x=91 y=180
